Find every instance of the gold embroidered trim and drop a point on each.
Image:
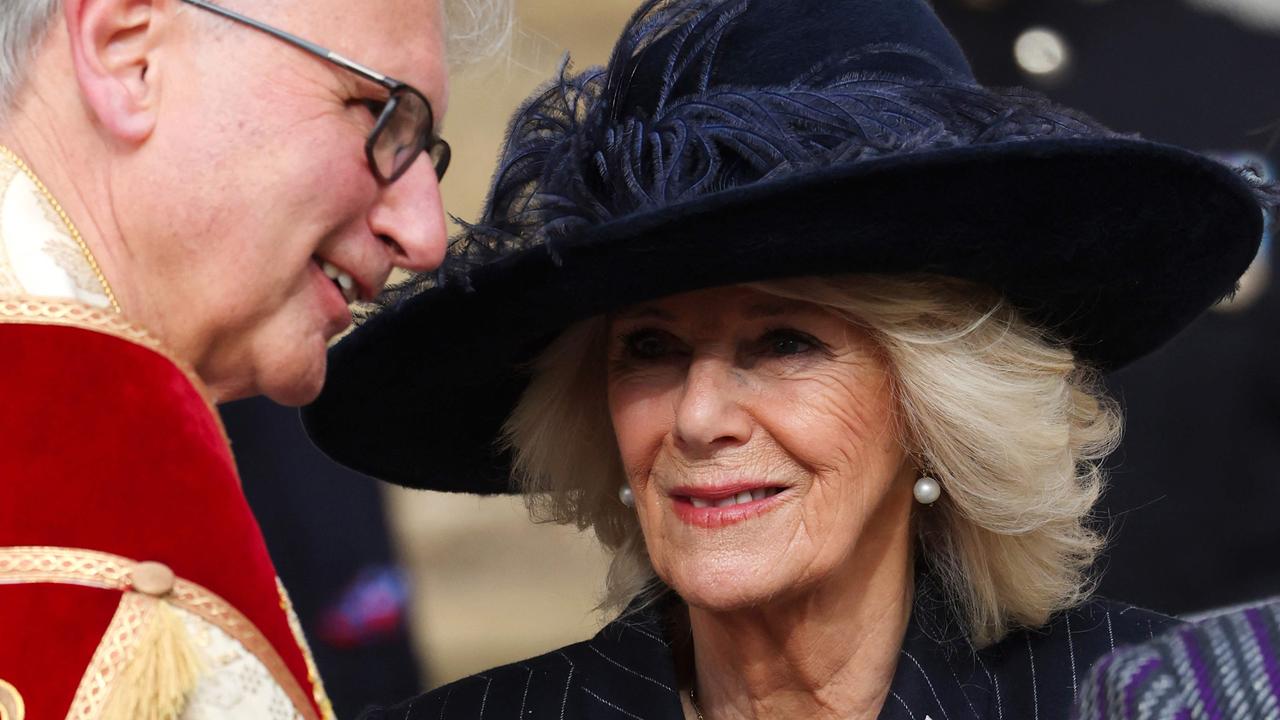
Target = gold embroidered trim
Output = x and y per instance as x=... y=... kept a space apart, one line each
x=313 y=673
x=11 y=705
x=76 y=566
x=36 y=564
x=66 y=221
x=113 y=653
x=66 y=313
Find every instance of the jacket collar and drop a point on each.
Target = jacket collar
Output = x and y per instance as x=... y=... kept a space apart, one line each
x=639 y=644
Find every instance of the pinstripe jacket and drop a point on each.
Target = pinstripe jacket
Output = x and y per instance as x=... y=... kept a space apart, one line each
x=628 y=671
x=1224 y=668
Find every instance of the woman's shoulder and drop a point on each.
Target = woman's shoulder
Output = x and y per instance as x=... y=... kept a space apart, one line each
x=1033 y=672
x=626 y=669
x=1103 y=622
x=1051 y=661
x=1072 y=639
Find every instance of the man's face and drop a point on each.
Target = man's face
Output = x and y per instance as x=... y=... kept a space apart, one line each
x=255 y=178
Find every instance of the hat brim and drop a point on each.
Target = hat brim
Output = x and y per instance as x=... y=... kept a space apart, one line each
x=1114 y=245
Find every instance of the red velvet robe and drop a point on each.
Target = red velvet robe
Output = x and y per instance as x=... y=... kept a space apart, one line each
x=110 y=456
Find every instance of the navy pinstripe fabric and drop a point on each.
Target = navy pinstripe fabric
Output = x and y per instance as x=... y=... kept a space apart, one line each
x=627 y=671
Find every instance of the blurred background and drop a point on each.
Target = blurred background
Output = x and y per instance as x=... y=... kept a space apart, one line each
x=400 y=591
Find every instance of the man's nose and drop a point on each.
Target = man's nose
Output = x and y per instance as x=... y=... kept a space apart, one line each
x=410 y=214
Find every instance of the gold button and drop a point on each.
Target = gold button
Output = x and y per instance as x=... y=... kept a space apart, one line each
x=153 y=578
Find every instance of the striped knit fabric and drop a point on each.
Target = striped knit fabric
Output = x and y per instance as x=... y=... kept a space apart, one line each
x=1224 y=668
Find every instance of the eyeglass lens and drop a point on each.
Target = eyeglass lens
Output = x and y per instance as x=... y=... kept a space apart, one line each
x=405 y=131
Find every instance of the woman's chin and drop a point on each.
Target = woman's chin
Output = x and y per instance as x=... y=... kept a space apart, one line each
x=727 y=590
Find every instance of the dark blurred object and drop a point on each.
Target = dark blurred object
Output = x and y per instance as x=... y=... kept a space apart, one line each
x=326 y=530
x=1196 y=484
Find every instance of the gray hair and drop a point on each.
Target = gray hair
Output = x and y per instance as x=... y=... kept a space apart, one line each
x=475 y=29
x=23 y=25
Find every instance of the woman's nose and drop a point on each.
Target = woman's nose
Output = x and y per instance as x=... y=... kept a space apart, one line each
x=709 y=414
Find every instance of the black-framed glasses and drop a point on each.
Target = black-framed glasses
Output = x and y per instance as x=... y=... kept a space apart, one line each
x=406 y=124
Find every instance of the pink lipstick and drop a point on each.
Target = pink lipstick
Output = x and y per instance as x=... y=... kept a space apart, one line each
x=721 y=505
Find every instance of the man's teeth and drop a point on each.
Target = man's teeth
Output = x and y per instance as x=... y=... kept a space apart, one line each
x=344 y=281
x=741 y=498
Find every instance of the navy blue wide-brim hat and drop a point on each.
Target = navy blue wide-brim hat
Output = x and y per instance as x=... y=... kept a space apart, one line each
x=731 y=141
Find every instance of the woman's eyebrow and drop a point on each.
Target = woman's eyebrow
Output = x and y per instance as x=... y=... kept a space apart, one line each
x=644 y=311
x=773 y=308
x=763 y=309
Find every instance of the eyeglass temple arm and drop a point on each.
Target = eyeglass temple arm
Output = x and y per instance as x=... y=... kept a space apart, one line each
x=298 y=42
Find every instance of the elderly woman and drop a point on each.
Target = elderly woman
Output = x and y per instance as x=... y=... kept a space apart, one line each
x=806 y=325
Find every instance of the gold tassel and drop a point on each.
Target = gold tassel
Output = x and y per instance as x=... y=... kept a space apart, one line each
x=162 y=673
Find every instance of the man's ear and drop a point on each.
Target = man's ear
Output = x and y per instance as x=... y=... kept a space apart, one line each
x=114 y=54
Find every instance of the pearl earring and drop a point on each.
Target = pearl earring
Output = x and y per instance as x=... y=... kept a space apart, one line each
x=927 y=490
x=626 y=497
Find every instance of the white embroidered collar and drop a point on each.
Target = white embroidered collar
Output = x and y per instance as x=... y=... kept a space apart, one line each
x=41 y=253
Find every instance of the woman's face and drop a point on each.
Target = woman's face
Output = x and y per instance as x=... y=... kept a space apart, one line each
x=759 y=438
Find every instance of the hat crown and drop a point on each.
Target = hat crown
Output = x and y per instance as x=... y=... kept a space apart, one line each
x=701 y=96
x=681 y=48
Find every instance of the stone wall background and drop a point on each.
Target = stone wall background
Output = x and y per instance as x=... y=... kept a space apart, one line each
x=491 y=587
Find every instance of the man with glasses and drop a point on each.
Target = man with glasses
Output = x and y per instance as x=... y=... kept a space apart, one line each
x=192 y=195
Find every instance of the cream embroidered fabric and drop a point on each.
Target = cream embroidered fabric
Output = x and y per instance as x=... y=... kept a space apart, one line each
x=235 y=684
x=38 y=255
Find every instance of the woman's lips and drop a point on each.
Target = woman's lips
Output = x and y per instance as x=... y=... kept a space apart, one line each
x=723 y=505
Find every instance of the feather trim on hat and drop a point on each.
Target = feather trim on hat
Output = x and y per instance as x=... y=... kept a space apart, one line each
x=575 y=157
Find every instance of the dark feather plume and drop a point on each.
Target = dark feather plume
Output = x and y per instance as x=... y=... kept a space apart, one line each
x=576 y=157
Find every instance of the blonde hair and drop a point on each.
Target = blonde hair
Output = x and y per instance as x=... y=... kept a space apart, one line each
x=996 y=409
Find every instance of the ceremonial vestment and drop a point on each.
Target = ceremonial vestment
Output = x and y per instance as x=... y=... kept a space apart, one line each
x=134 y=582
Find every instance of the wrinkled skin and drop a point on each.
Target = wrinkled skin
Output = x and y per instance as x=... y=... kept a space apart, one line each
x=731 y=384
x=209 y=165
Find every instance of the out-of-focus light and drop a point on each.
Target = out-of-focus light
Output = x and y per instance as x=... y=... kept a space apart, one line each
x=1041 y=51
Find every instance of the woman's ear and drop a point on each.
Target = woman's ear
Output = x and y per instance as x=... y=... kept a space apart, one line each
x=115 y=47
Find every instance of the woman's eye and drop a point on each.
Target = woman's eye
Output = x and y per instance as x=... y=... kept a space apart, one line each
x=787 y=342
x=647 y=344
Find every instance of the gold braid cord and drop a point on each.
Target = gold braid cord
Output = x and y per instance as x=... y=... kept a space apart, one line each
x=91 y=568
x=112 y=655
x=313 y=673
x=11 y=704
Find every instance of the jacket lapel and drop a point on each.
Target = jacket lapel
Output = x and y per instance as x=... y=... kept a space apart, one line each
x=629 y=668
